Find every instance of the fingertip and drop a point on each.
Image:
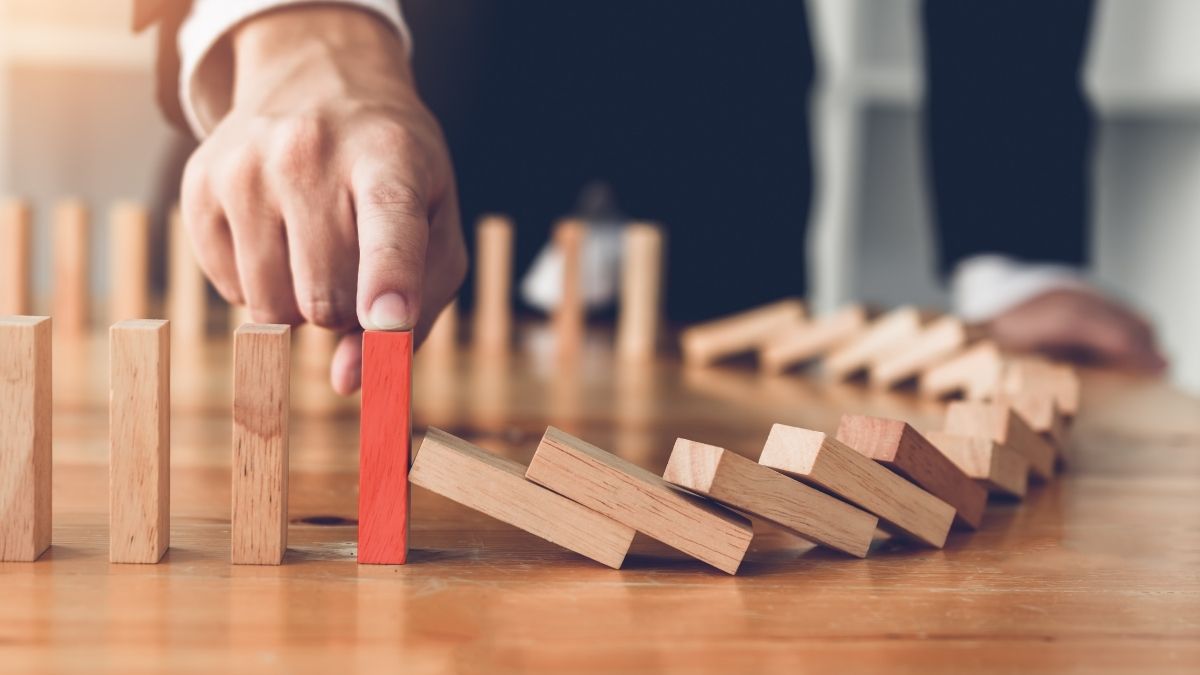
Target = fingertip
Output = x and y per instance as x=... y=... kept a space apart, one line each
x=389 y=311
x=345 y=370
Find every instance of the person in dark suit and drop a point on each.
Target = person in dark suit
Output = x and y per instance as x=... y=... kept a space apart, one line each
x=324 y=189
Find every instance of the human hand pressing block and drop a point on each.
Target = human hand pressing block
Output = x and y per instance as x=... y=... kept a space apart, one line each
x=325 y=192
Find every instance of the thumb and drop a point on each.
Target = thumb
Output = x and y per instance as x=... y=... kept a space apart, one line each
x=393 y=232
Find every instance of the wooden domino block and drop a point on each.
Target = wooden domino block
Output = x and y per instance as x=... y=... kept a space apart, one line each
x=442 y=340
x=823 y=461
x=937 y=342
x=25 y=437
x=641 y=292
x=16 y=249
x=496 y=486
x=904 y=450
x=72 y=299
x=711 y=341
x=1002 y=424
x=129 y=261
x=1029 y=374
x=570 y=314
x=187 y=292
x=639 y=499
x=261 y=393
x=385 y=448
x=493 y=283
x=139 y=473
x=759 y=491
x=999 y=468
x=1040 y=409
x=974 y=373
x=804 y=342
x=883 y=335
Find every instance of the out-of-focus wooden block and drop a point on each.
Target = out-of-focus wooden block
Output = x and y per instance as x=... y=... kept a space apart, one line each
x=261 y=395
x=385 y=448
x=639 y=499
x=570 y=315
x=72 y=284
x=140 y=451
x=16 y=251
x=496 y=486
x=904 y=450
x=940 y=340
x=641 y=291
x=129 y=261
x=442 y=340
x=25 y=437
x=187 y=292
x=807 y=341
x=493 y=283
x=1002 y=424
x=996 y=466
x=974 y=372
x=1040 y=409
x=760 y=491
x=887 y=333
x=821 y=460
x=739 y=333
x=1031 y=374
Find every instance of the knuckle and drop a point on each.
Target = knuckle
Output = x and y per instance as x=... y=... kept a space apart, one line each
x=298 y=146
x=239 y=174
x=322 y=308
x=272 y=314
x=395 y=198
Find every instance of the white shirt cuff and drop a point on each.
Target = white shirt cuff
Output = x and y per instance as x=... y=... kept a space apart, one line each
x=983 y=286
x=211 y=20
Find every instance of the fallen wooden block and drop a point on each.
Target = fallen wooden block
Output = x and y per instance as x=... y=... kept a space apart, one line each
x=72 y=295
x=16 y=249
x=641 y=292
x=1040 y=409
x=129 y=261
x=25 y=437
x=998 y=467
x=496 y=486
x=385 y=445
x=807 y=341
x=1031 y=374
x=1001 y=424
x=823 y=461
x=760 y=491
x=639 y=499
x=882 y=336
x=261 y=395
x=940 y=340
x=493 y=283
x=904 y=450
x=711 y=341
x=139 y=474
x=974 y=373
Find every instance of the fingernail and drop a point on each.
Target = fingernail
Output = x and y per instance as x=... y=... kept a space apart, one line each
x=389 y=312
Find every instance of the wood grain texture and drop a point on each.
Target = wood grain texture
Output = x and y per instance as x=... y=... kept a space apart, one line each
x=25 y=437
x=752 y=488
x=999 y=468
x=705 y=343
x=937 y=342
x=570 y=315
x=496 y=486
x=631 y=495
x=493 y=283
x=129 y=261
x=261 y=397
x=821 y=460
x=807 y=341
x=72 y=269
x=881 y=336
x=975 y=373
x=385 y=448
x=904 y=450
x=140 y=441
x=1033 y=374
x=640 y=306
x=16 y=252
x=1001 y=424
x=187 y=291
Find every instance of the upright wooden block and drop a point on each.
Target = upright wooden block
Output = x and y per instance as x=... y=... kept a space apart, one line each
x=974 y=372
x=753 y=488
x=641 y=292
x=386 y=445
x=139 y=474
x=904 y=450
x=72 y=287
x=129 y=261
x=823 y=461
x=939 y=341
x=25 y=437
x=571 y=313
x=807 y=341
x=739 y=333
x=999 y=468
x=1001 y=424
x=187 y=292
x=442 y=340
x=496 y=486
x=16 y=249
x=639 y=499
x=493 y=282
x=1030 y=374
x=261 y=394
x=887 y=333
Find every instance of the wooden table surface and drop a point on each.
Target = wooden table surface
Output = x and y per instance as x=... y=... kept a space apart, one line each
x=1097 y=571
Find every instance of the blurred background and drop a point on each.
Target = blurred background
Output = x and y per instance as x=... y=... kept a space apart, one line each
x=77 y=118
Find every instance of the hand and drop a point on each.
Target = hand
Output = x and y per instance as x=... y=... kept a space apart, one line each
x=1080 y=325
x=326 y=192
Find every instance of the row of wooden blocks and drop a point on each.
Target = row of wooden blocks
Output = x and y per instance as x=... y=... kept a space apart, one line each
x=140 y=442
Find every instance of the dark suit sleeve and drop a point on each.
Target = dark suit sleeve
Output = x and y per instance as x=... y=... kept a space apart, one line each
x=169 y=16
x=1009 y=130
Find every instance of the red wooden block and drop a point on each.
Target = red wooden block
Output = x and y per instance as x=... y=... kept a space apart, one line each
x=385 y=448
